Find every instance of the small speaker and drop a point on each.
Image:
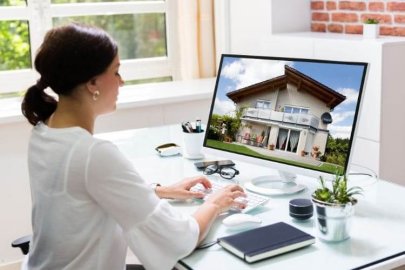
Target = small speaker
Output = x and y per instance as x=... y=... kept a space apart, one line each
x=301 y=209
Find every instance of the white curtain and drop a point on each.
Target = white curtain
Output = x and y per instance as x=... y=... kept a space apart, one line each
x=282 y=136
x=294 y=137
x=196 y=38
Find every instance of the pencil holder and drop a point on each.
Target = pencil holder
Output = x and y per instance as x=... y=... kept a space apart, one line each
x=193 y=143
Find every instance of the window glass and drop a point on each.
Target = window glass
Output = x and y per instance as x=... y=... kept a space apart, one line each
x=262 y=104
x=304 y=111
x=137 y=35
x=14 y=45
x=13 y=3
x=287 y=109
x=94 y=1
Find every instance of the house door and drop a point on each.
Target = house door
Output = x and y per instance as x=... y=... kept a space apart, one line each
x=287 y=140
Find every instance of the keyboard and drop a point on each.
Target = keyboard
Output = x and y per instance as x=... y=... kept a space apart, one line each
x=252 y=200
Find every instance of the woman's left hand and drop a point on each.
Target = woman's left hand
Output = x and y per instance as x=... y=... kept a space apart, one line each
x=181 y=190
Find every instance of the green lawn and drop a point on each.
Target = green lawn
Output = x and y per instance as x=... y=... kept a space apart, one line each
x=324 y=167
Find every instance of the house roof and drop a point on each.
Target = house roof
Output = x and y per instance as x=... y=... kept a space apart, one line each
x=303 y=82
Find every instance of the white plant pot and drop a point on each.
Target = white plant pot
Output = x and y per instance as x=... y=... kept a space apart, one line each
x=370 y=30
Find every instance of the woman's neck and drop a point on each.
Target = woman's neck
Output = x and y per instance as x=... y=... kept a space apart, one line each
x=70 y=113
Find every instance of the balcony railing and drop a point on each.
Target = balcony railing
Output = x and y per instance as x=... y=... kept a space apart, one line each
x=290 y=118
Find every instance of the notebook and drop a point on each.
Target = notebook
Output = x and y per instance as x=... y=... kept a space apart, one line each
x=266 y=241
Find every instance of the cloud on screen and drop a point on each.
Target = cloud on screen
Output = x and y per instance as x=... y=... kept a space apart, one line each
x=245 y=72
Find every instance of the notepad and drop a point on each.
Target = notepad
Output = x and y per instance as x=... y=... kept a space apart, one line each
x=265 y=242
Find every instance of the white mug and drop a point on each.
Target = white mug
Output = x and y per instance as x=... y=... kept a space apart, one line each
x=193 y=143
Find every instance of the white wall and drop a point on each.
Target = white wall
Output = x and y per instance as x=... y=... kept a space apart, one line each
x=281 y=28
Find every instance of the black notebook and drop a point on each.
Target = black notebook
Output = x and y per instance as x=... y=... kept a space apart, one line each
x=265 y=242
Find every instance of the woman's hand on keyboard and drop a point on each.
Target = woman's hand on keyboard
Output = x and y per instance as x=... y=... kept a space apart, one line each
x=182 y=190
x=227 y=198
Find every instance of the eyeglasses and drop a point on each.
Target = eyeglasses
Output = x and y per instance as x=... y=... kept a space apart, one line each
x=224 y=172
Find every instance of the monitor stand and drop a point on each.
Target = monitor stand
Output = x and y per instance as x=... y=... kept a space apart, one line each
x=282 y=184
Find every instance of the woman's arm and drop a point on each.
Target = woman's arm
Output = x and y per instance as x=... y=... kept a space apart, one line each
x=181 y=190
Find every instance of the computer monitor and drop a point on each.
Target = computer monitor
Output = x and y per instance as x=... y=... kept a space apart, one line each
x=294 y=115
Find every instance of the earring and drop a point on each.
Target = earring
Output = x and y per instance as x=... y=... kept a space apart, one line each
x=96 y=94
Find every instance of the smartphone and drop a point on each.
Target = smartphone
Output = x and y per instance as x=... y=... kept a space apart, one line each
x=201 y=165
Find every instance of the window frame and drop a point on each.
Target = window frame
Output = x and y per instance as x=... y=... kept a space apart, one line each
x=39 y=14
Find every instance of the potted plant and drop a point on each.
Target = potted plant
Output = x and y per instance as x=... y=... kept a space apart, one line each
x=370 y=28
x=334 y=208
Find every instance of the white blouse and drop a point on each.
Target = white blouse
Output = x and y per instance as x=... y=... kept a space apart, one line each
x=89 y=203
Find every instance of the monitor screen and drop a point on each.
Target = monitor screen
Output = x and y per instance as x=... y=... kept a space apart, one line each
x=299 y=113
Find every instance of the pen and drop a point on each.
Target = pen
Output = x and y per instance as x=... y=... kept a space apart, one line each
x=198 y=125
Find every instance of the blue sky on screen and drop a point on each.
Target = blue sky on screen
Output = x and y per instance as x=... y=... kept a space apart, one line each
x=345 y=79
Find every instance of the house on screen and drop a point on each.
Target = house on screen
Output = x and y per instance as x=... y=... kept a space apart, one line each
x=289 y=112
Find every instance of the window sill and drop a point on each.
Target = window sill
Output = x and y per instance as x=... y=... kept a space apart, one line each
x=132 y=96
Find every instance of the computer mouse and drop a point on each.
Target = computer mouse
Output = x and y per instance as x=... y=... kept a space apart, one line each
x=241 y=221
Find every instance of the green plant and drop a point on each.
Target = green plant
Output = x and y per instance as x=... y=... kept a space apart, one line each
x=371 y=21
x=339 y=194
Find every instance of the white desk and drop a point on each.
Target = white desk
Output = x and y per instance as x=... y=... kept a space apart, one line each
x=378 y=229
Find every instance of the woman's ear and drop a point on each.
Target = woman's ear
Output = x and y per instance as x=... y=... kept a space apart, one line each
x=91 y=85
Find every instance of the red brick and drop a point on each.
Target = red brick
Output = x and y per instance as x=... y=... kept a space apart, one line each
x=345 y=17
x=396 y=6
x=317 y=5
x=318 y=27
x=335 y=28
x=386 y=31
x=320 y=16
x=376 y=6
x=399 y=31
x=392 y=31
x=331 y=5
x=353 y=29
x=352 y=5
x=382 y=18
x=399 y=18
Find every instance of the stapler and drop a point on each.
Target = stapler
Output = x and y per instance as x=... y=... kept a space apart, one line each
x=168 y=149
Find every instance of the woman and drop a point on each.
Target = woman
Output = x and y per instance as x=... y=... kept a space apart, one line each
x=88 y=200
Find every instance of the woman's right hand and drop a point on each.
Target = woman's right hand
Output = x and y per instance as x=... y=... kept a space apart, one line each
x=215 y=204
x=225 y=198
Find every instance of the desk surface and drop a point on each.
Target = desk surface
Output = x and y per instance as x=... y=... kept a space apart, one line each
x=378 y=226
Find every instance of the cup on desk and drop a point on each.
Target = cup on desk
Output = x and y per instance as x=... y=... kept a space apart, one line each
x=193 y=143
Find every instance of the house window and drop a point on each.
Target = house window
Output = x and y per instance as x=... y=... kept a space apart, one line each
x=263 y=104
x=141 y=28
x=287 y=140
x=295 y=110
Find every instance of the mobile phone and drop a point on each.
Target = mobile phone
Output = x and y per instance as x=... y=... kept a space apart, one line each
x=201 y=165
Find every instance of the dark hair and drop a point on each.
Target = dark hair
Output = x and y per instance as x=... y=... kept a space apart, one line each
x=70 y=55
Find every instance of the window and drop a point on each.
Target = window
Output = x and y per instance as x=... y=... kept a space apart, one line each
x=144 y=31
x=287 y=140
x=295 y=110
x=263 y=104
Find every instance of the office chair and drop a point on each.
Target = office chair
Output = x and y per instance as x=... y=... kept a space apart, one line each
x=24 y=244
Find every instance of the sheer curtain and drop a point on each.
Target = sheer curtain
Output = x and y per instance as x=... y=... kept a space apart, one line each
x=282 y=137
x=196 y=38
x=294 y=137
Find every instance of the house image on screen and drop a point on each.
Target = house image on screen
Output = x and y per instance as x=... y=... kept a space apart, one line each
x=289 y=113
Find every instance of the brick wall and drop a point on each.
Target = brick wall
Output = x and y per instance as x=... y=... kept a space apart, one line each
x=339 y=16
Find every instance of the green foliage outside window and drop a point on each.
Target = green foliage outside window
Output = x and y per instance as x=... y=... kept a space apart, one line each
x=13 y=3
x=14 y=45
x=138 y=36
x=92 y=1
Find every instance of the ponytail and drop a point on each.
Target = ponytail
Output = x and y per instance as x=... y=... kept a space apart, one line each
x=37 y=105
